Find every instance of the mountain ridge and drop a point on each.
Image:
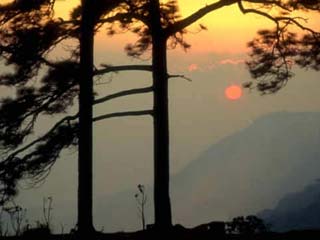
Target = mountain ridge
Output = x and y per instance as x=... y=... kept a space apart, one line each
x=275 y=155
x=298 y=210
x=242 y=174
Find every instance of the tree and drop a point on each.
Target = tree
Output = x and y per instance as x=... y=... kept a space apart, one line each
x=45 y=150
x=90 y=16
x=273 y=54
x=19 y=113
x=141 y=199
x=85 y=218
x=271 y=59
x=29 y=32
x=248 y=225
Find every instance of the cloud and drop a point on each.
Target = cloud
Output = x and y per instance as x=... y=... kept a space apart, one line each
x=193 y=67
x=231 y=61
x=212 y=62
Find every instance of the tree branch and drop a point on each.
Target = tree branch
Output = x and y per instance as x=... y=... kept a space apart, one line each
x=276 y=20
x=123 y=93
x=180 y=25
x=123 y=114
x=74 y=117
x=65 y=119
x=255 y=11
x=125 y=16
x=108 y=69
x=277 y=3
x=180 y=76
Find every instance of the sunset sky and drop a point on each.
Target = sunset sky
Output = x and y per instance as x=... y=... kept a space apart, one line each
x=200 y=113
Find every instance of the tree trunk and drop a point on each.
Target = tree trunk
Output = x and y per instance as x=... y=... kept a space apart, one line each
x=85 y=221
x=161 y=121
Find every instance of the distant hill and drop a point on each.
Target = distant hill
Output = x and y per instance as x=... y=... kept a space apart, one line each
x=300 y=210
x=275 y=158
x=250 y=170
x=242 y=174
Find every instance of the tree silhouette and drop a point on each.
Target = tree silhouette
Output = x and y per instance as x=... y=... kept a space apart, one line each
x=28 y=34
x=141 y=198
x=35 y=159
x=158 y=26
x=273 y=54
x=272 y=57
x=85 y=218
x=248 y=225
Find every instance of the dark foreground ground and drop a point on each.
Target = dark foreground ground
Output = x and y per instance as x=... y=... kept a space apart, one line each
x=177 y=234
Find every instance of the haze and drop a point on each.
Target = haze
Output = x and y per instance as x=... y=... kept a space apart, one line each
x=200 y=114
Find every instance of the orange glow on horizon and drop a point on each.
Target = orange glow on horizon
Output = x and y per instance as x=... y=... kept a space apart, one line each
x=228 y=29
x=233 y=92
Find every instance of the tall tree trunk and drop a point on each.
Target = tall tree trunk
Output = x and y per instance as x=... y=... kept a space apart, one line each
x=161 y=121
x=85 y=221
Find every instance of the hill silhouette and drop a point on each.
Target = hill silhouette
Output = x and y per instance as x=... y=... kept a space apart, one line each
x=241 y=175
x=299 y=210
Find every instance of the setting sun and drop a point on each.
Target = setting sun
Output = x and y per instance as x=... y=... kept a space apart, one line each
x=233 y=92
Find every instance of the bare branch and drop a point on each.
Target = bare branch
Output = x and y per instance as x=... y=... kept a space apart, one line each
x=255 y=11
x=108 y=69
x=123 y=93
x=123 y=114
x=276 y=20
x=277 y=3
x=65 y=119
x=182 y=24
x=74 y=22
x=127 y=17
x=180 y=76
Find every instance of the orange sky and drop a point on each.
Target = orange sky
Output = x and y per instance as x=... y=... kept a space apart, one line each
x=228 y=29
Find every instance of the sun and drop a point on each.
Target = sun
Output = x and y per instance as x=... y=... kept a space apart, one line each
x=233 y=92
